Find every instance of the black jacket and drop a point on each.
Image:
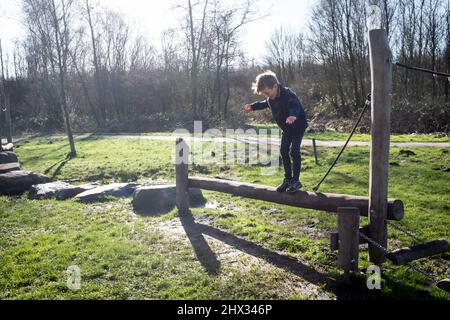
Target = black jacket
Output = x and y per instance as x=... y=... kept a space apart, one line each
x=285 y=105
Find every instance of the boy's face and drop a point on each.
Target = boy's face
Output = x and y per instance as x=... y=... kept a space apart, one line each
x=270 y=93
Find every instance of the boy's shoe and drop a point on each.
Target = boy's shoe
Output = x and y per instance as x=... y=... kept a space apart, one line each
x=284 y=185
x=294 y=186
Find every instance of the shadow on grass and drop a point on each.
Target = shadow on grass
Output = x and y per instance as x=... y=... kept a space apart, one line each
x=204 y=253
x=356 y=289
x=59 y=165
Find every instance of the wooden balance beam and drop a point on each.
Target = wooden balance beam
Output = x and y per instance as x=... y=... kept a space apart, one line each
x=309 y=200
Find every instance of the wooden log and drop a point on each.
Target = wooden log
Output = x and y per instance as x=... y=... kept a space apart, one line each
x=7 y=167
x=404 y=255
x=348 y=254
x=8 y=157
x=309 y=200
x=182 y=171
x=334 y=238
x=16 y=182
x=381 y=71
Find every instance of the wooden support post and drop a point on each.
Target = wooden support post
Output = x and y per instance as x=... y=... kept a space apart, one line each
x=8 y=119
x=182 y=172
x=334 y=238
x=348 y=224
x=315 y=151
x=381 y=70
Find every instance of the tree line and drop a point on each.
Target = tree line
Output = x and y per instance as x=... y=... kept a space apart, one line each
x=82 y=66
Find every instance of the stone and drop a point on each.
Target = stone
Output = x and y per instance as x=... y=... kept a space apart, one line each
x=17 y=182
x=160 y=199
x=8 y=167
x=59 y=190
x=68 y=193
x=8 y=157
x=118 y=190
x=8 y=147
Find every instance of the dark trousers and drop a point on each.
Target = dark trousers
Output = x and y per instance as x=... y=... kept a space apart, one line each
x=290 y=148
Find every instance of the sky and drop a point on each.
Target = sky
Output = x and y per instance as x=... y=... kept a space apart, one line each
x=149 y=17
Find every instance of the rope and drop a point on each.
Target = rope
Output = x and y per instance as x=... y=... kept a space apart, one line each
x=436 y=73
x=367 y=103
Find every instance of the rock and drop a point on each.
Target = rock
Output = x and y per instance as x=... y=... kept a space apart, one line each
x=60 y=190
x=68 y=193
x=118 y=190
x=160 y=199
x=8 y=157
x=8 y=147
x=17 y=182
x=444 y=285
x=7 y=167
x=441 y=168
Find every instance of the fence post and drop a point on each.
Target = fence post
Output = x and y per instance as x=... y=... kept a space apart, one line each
x=348 y=225
x=8 y=118
x=315 y=151
x=381 y=70
x=182 y=172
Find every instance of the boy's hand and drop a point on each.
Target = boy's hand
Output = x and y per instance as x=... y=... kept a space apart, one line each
x=291 y=120
x=248 y=107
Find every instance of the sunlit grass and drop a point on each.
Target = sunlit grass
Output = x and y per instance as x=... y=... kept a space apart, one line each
x=122 y=255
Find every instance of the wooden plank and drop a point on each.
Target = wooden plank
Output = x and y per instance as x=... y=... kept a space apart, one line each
x=182 y=171
x=8 y=167
x=310 y=200
x=348 y=254
x=404 y=255
x=381 y=71
x=334 y=238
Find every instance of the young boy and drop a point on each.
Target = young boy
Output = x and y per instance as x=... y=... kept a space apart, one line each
x=290 y=116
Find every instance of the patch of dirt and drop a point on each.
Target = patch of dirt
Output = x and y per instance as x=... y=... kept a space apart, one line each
x=239 y=255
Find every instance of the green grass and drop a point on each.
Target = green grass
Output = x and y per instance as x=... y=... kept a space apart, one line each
x=342 y=136
x=123 y=255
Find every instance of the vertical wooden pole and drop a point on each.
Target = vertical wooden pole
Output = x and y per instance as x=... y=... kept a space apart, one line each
x=348 y=225
x=182 y=172
x=315 y=151
x=3 y=92
x=8 y=119
x=381 y=69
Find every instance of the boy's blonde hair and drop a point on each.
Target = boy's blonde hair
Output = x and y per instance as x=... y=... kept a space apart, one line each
x=264 y=80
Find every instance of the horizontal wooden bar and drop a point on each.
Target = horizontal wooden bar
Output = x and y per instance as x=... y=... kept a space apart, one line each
x=404 y=255
x=310 y=200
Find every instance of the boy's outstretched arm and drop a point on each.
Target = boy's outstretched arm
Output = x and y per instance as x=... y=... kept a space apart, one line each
x=259 y=105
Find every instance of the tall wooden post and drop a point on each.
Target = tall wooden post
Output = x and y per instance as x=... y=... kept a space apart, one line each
x=182 y=175
x=381 y=70
x=8 y=118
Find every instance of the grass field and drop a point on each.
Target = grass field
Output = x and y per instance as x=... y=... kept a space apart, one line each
x=239 y=248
